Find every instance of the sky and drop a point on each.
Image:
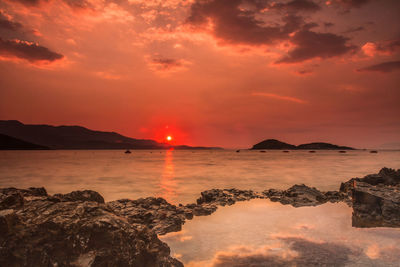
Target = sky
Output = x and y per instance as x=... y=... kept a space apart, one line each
x=226 y=73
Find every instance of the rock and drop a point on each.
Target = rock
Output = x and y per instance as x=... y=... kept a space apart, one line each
x=385 y=176
x=302 y=195
x=376 y=206
x=86 y=195
x=80 y=232
x=156 y=213
x=375 y=199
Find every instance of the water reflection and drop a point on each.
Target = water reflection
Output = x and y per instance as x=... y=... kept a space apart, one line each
x=168 y=184
x=262 y=233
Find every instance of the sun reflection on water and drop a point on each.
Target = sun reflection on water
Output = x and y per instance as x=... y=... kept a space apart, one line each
x=168 y=183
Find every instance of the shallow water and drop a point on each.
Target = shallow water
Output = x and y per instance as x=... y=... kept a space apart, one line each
x=262 y=233
x=180 y=176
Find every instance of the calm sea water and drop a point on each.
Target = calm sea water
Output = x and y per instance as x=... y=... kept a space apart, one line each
x=179 y=176
x=253 y=233
x=261 y=233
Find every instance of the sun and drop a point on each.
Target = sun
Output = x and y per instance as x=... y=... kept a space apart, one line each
x=169 y=138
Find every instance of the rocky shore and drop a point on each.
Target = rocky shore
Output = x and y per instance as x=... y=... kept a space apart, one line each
x=80 y=229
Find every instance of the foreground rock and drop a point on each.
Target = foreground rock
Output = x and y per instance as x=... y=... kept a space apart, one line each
x=302 y=195
x=376 y=199
x=73 y=230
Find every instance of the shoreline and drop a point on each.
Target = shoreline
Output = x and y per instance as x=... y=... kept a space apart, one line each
x=79 y=228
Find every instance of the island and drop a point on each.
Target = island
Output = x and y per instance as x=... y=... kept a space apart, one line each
x=274 y=144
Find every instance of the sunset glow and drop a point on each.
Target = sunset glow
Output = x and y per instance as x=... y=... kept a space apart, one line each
x=169 y=138
x=224 y=73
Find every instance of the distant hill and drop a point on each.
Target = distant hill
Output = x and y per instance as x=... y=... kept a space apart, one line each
x=76 y=137
x=327 y=146
x=275 y=144
x=11 y=143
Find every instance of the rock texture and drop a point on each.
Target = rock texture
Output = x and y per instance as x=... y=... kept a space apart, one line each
x=376 y=199
x=77 y=230
x=302 y=195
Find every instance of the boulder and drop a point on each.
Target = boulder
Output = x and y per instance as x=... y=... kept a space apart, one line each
x=86 y=195
x=376 y=206
x=75 y=231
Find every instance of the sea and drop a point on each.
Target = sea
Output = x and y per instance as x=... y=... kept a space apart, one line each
x=251 y=233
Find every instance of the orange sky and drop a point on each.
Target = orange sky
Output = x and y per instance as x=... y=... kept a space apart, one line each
x=216 y=72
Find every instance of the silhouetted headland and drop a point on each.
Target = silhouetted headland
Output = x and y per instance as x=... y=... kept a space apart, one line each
x=77 y=137
x=11 y=143
x=278 y=145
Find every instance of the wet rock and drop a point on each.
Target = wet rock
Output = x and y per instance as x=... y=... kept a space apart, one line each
x=376 y=206
x=15 y=198
x=226 y=196
x=302 y=195
x=375 y=199
x=156 y=213
x=385 y=176
x=86 y=195
x=44 y=232
x=202 y=210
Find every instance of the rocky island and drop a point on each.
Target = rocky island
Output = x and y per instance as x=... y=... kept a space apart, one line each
x=278 y=145
x=81 y=229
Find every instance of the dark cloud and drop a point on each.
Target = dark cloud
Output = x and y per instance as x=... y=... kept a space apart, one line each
x=297 y=5
x=166 y=63
x=384 y=67
x=237 y=26
x=7 y=24
x=388 y=46
x=28 y=51
x=328 y=24
x=31 y=2
x=311 y=44
x=309 y=254
x=350 y=3
x=355 y=29
x=79 y=4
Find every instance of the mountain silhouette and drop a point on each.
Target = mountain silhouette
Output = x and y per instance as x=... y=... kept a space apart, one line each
x=11 y=143
x=73 y=137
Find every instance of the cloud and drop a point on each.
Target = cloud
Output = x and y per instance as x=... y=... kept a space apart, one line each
x=355 y=29
x=234 y=24
x=297 y=5
x=309 y=45
x=167 y=65
x=241 y=22
x=75 y=4
x=29 y=51
x=31 y=2
x=348 y=4
x=280 y=97
x=6 y=23
x=384 y=67
x=381 y=48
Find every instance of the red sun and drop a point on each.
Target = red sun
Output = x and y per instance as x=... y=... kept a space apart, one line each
x=169 y=138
